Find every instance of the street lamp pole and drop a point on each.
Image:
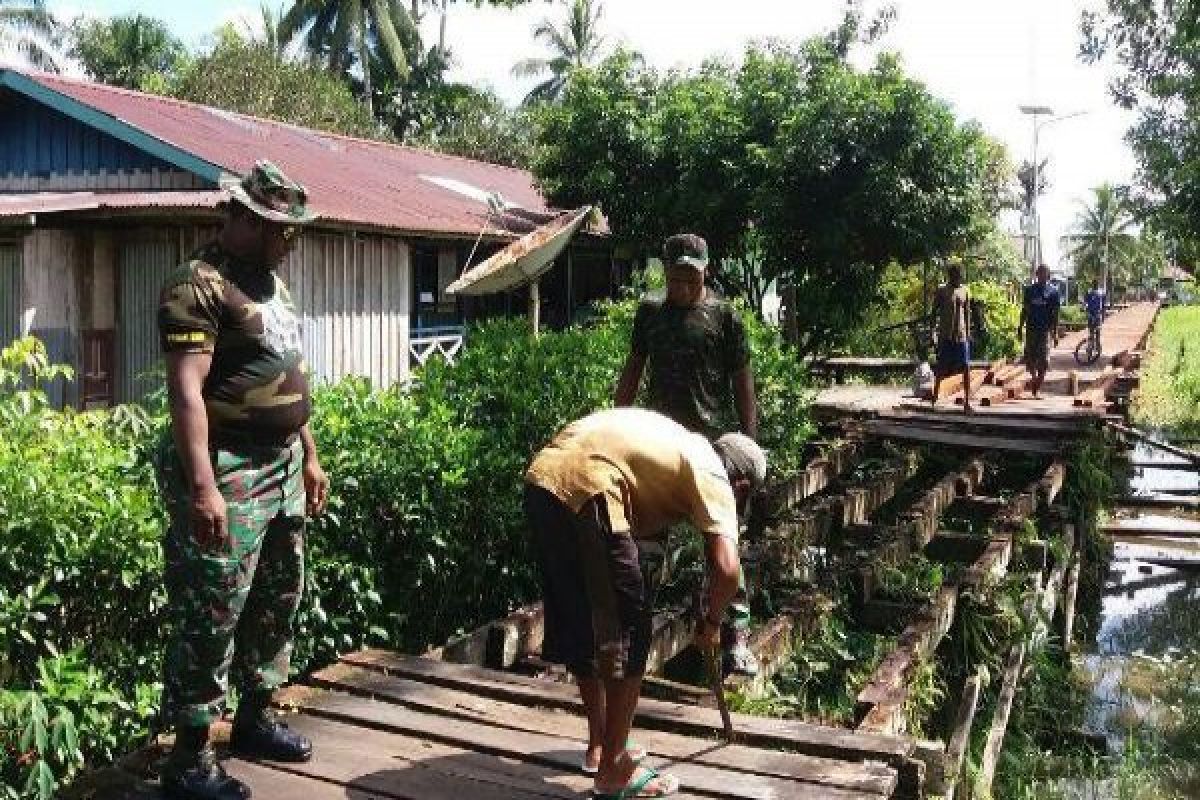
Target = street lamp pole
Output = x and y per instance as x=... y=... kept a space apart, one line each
x=1034 y=219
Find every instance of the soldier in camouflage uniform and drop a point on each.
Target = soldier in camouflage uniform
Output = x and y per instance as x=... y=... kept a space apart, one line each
x=239 y=474
x=693 y=345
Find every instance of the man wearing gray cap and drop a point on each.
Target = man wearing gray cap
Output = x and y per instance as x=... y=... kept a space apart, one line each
x=601 y=489
x=693 y=346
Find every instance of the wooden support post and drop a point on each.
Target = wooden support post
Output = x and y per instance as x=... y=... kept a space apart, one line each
x=1073 y=382
x=535 y=310
x=995 y=740
x=960 y=737
x=1069 y=604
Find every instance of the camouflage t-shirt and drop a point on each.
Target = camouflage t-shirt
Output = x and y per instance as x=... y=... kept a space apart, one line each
x=691 y=355
x=256 y=389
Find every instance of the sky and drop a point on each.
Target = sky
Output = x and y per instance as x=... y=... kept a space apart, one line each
x=983 y=57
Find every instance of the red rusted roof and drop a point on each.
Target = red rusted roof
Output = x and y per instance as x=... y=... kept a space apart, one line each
x=354 y=181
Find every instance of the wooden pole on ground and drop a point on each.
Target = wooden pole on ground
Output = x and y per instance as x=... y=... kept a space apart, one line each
x=535 y=309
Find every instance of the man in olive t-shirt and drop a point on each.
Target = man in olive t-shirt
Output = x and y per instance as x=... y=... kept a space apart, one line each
x=693 y=346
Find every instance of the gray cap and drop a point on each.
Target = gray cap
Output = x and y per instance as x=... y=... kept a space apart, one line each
x=742 y=453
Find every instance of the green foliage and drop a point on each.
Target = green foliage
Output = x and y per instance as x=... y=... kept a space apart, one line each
x=28 y=29
x=904 y=296
x=573 y=44
x=839 y=172
x=250 y=78
x=133 y=51
x=916 y=580
x=821 y=682
x=1169 y=394
x=1154 y=45
x=472 y=123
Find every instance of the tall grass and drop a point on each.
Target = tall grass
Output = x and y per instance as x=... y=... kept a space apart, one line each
x=1169 y=395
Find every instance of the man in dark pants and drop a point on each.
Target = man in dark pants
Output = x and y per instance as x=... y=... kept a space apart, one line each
x=952 y=308
x=239 y=473
x=693 y=345
x=602 y=487
x=1038 y=324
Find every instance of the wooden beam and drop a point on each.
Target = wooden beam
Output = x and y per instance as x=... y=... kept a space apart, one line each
x=995 y=739
x=960 y=737
x=950 y=438
x=1069 y=599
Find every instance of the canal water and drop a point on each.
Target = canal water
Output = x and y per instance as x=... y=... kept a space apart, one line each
x=1151 y=607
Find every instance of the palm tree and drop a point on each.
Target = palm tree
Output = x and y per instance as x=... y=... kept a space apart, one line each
x=1102 y=245
x=577 y=43
x=271 y=18
x=30 y=30
x=341 y=32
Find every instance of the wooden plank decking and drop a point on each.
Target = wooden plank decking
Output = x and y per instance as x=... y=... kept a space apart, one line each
x=1010 y=423
x=407 y=728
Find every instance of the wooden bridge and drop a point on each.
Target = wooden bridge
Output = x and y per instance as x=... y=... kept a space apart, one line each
x=1005 y=416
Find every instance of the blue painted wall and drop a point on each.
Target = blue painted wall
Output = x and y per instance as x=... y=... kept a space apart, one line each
x=36 y=140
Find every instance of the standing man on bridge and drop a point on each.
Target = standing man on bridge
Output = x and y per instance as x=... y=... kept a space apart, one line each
x=238 y=475
x=1038 y=324
x=603 y=487
x=952 y=307
x=694 y=346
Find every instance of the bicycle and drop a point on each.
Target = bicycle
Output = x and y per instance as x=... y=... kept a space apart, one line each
x=1088 y=350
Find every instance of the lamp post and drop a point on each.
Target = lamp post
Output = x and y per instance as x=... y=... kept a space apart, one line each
x=1034 y=220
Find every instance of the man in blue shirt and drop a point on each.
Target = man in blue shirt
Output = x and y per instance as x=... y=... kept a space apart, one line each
x=1094 y=303
x=1038 y=323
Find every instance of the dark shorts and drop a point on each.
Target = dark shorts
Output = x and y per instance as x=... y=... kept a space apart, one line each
x=952 y=357
x=598 y=605
x=1037 y=349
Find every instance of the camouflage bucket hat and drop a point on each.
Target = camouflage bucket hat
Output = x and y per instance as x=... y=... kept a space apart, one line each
x=686 y=248
x=272 y=195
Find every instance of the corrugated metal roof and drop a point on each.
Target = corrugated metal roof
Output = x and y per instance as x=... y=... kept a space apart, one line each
x=349 y=180
x=19 y=203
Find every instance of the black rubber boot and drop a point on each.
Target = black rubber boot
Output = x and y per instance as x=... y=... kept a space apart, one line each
x=192 y=772
x=257 y=733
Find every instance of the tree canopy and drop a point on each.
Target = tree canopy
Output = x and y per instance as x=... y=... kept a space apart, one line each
x=836 y=173
x=1156 y=45
x=29 y=29
x=250 y=78
x=575 y=43
x=132 y=51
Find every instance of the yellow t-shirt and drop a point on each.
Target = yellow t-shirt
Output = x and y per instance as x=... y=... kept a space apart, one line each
x=652 y=472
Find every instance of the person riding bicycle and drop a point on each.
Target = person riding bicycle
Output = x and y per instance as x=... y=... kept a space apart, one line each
x=1094 y=303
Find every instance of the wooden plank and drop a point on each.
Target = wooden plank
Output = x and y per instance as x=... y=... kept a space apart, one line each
x=977 y=442
x=1027 y=424
x=960 y=736
x=498 y=763
x=995 y=739
x=1160 y=500
x=1126 y=531
x=542 y=746
x=799 y=736
x=408 y=764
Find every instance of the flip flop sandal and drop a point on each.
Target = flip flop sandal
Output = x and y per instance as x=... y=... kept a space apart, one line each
x=636 y=788
x=636 y=753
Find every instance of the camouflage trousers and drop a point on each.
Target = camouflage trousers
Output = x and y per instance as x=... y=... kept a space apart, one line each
x=232 y=604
